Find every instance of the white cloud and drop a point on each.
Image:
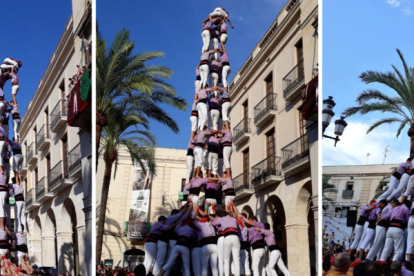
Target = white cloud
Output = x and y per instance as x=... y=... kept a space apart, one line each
x=407 y=11
x=355 y=144
x=405 y=6
x=393 y=3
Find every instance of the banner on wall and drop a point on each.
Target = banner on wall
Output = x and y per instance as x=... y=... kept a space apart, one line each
x=138 y=215
x=337 y=230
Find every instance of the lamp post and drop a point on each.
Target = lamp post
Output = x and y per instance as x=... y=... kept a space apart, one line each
x=327 y=114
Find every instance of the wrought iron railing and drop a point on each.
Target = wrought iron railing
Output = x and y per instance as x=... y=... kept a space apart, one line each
x=295 y=151
x=348 y=194
x=242 y=182
x=29 y=198
x=31 y=150
x=266 y=104
x=74 y=158
x=55 y=175
x=265 y=168
x=295 y=76
x=44 y=133
x=58 y=112
x=241 y=128
x=41 y=188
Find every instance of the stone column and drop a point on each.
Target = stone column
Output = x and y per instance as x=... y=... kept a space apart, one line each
x=88 y=238
x=65 y=253
x=83 y=269
x=298 y=249
x=35 y=251
x=48 y=251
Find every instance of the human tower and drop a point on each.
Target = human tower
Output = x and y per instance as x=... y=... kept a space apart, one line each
x=209 y=237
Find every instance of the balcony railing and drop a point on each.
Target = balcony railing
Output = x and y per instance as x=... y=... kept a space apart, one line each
x=266 y=104
x=31 y=151
x=56 y=175
x=348 y=194
x=41 y=187
x=74 y=157
x=295 y=151
x=59 y=113
x=295 y=76
x=242 y=182
x=43 y=134
x=29 y=198
x=265 y=168
x=241 y=129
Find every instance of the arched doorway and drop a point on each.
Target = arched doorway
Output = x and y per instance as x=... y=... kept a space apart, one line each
x=247 y=210
x=68 y=235
x=274 y=214
x=49 y=243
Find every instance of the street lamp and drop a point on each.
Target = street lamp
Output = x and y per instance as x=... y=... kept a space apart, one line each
x=327 y=114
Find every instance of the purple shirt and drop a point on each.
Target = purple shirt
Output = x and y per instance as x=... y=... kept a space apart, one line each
x=2 y=179
x=400 y=213
x=212 y=188
x=254 y=235
x=173 y=218
x=202 y=93
x=191 y=144
x=206 y=229
x=214 y=32
x=3 y=235
x=17 y=189
x=194 y=106
x=403 y=167
x=6 y=154
x=406 y=272
x=187 y=231
x=213 y=141
x=226 y=222
x=213 y=103
x=208 y=25
x=227 y=184
x=6 y=114
x=387 y=209
x=373 y=215
x=215 y=65
x=157 y=228
x=223 y=26
x=21 y=239
x=364 y=212
x=206 y=55
x=224 y=57
x=198 y=182
x=269 y=237
x=201 y=137
x=227 y=137
x=186 y=189
x=243 y=233
x=13 y=144
x=15 y=109
x=224 y=94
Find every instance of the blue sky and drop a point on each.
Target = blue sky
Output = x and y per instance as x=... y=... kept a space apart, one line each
x=174 y=27
x=35 y=30
x=360 y=36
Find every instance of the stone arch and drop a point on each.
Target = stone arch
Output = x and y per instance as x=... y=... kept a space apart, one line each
x=36 y=242
x=49 y=245
x=247 y=210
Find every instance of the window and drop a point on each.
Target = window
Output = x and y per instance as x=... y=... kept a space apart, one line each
x=349 y=186
x=65 y=155
x=62 y=90
x=246 y=166
x=269 y=90
x=302 y=132
x=271 y=149
x=48 y=168
x=182 y=184
x=245 y=115
x=47 y=119
x=299 y=59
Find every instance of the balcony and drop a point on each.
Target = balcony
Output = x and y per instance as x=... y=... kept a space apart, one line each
x=59 y=115
x=32 y=155
x=242 y=185
x=347 y=194
x=23 y=171
x=31 y=202
x=267 y=172
x=42 y=191
x=57 y=179
x=295 y=156
x=43 y=138
x=75 y=164
x=242 y=132
x=265 y=110
x=79 y=108
x=293 y=82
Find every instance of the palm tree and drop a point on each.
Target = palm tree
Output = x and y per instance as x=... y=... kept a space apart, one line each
x=122 y=133
x=123 y=78
x=327 y=188
x=401 y=107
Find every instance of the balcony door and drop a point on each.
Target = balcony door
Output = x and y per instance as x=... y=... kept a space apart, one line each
x=48 y=170
x=245 y=116
x=269 y=91
x=271 y=151
x=246 y=167
x=65 y=156
x=304 y=142
x=299 y=58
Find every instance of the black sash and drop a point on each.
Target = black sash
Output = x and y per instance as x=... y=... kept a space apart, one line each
x=17 y=151
x=209 y=240
x=190 y=152
x=183 y=241
x=6 y=160
x=211 y=194
x=397 y=175
x=19 y=197
x=185 y=197
x=213 y=149
x=231 y=232
x=372 y=224
x=398 y=224
x=22 y=248
x=4 y=244
x=195 y=191
x=258 y=244
x=229 y=192
x=361 y=221
x=226 y=63
x=164 y=236
x=384 y=223
x=198 y=77
x=273 y=247
x=152 y=238
x=244 y=245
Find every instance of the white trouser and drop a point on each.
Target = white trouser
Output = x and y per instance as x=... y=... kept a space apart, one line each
x=205 y=35
x=225 y=72
x=231 y=249
x=203 y=74
x=213 y=162
x=6 y=169
x=16 y=128
x=202 y=115
x=265 y=262
x=185 y=255
x=197 y=86
x=378 y=245
x=214 y=43
x=162 y=248
x=220 y=166
x=3 y=197
x=213 y=79
x=359 y=229
x=19 y=217
x=195 y=257
x=394 y=242
x=171 y=244
x=194 y=121
x=227 y=199
x=198 y=156
x=258 y=261
x=1 y=151
x=364 y=233
x=150 y=253
x=410 y=186
x=15 y=89
x=218 y=12
x=220 y=255
x=17 y=162
x=393 y=185
x=2 y=107
x=220 y=123
x=276 y=258
x=211 y=201
x=8 y=219
x=6 y=130
x=369 y=238
x=14 y=63
x=225 y=111
x=190 y=168
x=227 y=156
x=209 y=252
x=20 y=255
x=206 y=164
x=244 y=262
x=223 y=38
x=403 y=183
x=215 y=115
x=410 y=237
